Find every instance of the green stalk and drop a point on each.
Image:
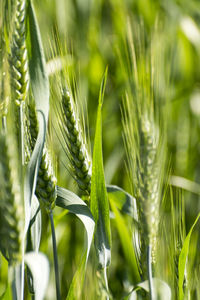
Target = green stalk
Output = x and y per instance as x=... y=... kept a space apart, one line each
x=21 y=135
x=149 y=270
x=55 y=257
x=22 y=160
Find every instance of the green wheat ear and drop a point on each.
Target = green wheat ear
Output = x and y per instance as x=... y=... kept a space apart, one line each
x=145 y=144
x=46 y=181
x=11 y=208
x=18 y=59
x=80 y=164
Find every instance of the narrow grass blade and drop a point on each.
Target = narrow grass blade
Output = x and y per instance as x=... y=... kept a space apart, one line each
x=99 y=200
x=75 y=205
x=36 y=224
x=123 y=201
x=183 y=258
x=32 y=170
x=39 y=267
x=40 y=89
x=126 y=241
x=37 y=65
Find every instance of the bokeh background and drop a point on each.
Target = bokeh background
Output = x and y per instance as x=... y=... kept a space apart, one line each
x=90 y=34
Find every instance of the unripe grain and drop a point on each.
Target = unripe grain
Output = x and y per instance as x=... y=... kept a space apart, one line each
x=80 y=163
x=11 y=208
x=46 y=181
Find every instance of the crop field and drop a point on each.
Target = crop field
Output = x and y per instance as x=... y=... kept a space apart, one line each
x=99 y=149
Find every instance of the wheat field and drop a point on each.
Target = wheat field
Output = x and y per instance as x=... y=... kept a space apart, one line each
x=99 y=149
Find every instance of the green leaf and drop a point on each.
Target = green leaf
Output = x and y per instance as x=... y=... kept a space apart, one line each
x=36 y=224
x=161 y=288
x=37 y=65
x=99 y=200
x=7 y=295
x=32 y=170
x=124 y=201
x=183 y=259
x=75 y=205
x=40 y=89
x=39 y=267
x=126 y=241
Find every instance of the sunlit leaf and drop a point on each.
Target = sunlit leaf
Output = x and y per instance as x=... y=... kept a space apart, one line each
x=75 y=205
x=99 y=200
x=40 y=89
x=39 y=267
x=32 y=170
x=161 y=289
x=123 y=200
x=36 y=224
x=183 y=259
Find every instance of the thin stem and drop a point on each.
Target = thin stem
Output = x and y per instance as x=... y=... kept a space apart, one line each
x=149 y=266
x=55 y=257
x=21 y=135
x=106 y=282
x=22 y=158
x=15 y=276
x=22 y=271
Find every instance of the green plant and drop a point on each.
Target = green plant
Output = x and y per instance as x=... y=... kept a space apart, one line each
x=140 y=241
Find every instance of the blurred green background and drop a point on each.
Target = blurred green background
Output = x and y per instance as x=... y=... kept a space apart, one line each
x=94 y=32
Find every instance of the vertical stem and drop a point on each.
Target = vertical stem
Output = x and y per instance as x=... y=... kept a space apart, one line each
x=149 y=267
x=22 y=271
x=106 y=281
x=22 y=159
x=55 y=257
x=14 y=274
x=21 y=135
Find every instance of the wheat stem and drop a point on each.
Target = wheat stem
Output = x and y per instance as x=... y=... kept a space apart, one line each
x=150 y=275
x=55 y=257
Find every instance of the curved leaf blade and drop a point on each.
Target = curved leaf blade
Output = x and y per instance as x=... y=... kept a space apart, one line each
x=162 y=289
x=39 y=267
x=32 y=170
x=36 y=224
x=70 y=201
x=123 y=200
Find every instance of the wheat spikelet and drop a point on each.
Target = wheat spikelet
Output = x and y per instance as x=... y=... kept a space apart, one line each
x=77 y=153
x=148 y=191
x=18 y=59
x=145 y=144
x=11 y=208
x=46 y=181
